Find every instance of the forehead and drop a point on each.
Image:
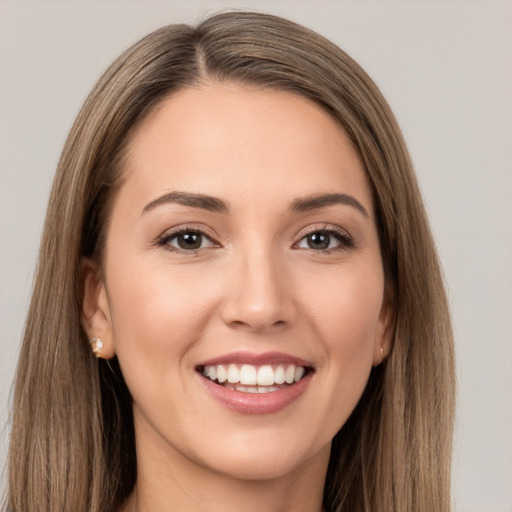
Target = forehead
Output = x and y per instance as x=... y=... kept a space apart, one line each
x=226 y=139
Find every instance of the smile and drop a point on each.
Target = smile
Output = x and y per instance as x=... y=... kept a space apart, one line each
x=253 y=384
x=248 y=378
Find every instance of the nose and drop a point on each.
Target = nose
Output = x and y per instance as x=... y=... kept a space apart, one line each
x=260 y=294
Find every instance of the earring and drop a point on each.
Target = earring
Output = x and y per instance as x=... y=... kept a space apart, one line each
x=96 y=345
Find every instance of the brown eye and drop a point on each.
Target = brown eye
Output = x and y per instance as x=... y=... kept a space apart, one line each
x=318 y=240
x=188 y=240
x=324 y=240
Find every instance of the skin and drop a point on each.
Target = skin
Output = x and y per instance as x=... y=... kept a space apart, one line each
x=255 y=285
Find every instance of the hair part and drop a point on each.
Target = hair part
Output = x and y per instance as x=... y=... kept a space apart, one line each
x=72 y=442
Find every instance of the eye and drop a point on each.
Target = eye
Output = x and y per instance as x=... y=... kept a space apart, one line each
x=187 y=240
x=325 y=240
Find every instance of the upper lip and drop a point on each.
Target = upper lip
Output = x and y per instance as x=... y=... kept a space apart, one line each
x=256 y=359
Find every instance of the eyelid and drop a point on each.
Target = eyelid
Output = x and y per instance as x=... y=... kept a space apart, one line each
x=324 y=226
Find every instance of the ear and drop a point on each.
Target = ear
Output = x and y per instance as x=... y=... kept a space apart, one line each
x=384 y=333
x=96 y=318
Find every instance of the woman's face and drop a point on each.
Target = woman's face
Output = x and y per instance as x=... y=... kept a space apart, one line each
x=242 y=247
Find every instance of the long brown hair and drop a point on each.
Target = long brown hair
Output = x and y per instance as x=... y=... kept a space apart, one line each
x=72 y=442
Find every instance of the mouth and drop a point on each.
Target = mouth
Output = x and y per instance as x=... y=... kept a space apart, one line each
x=256 y=384
x=255 y=378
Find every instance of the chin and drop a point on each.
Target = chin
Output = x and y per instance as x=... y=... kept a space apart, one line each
x=262 y=455
x=260 y=466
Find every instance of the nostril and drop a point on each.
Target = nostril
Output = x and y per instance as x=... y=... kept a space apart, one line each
x=257 y=324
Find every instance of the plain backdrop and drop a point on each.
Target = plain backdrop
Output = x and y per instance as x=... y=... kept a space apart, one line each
x=446 y=69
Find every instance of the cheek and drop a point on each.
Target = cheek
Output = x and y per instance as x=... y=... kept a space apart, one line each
x=157 y=314
x=345 y=307
x=345 y=314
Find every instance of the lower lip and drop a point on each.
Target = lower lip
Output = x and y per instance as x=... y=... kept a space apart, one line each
x=257 y=403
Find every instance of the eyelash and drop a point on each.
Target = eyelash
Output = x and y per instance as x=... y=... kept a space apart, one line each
x=164 y=240
x=344 y=239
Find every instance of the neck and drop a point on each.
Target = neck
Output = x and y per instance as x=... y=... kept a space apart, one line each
x=167 y=481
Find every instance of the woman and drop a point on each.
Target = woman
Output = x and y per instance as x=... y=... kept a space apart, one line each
x=236 y=232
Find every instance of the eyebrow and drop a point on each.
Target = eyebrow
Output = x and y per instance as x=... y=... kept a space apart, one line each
x=202 y=201
x=214 y=204
x=322 y=200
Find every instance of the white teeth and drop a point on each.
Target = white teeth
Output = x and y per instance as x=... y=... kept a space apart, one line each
x=279 y=376
x=290 y=375
x=265 y=376
x=253 y=379
x=255 y=389
x=248 y=375
x=221 y=374
x=233 y=373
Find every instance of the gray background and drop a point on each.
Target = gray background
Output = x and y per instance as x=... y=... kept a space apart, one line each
x=446 y=69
